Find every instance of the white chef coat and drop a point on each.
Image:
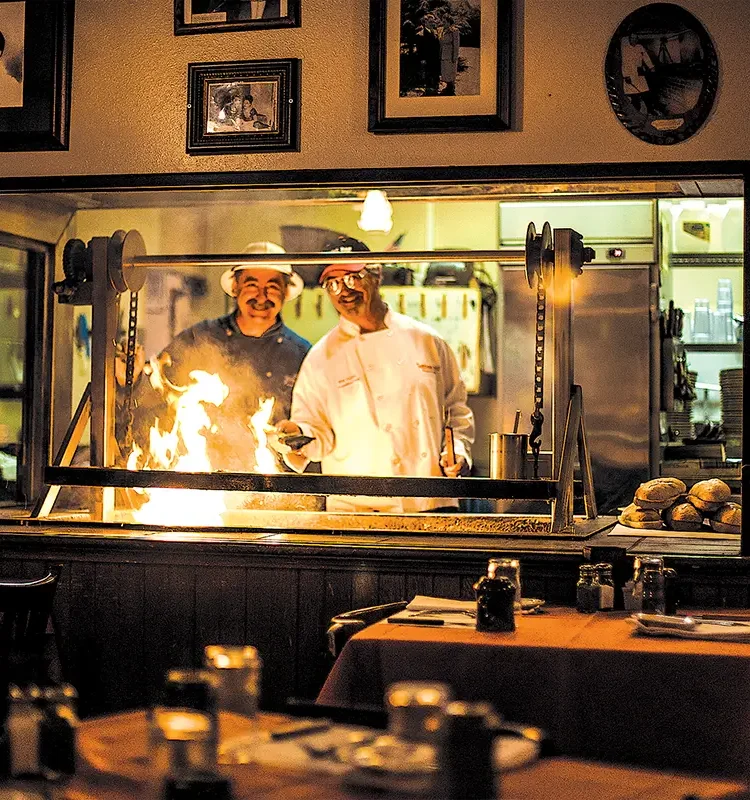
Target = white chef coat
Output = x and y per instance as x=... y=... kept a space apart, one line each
x=376 y=405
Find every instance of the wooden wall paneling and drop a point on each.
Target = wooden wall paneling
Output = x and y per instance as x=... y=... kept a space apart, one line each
x=447 y=586
x=467 y=586
x=391 y=587
x=310 y=624
x=129 y=636
x=365 y=586
x=82 y=650
x=418 y=583
x=61 y=618
x=169 y=594
x=271 y=624
x=110 y=654
x=220 y=607
x=338 y=594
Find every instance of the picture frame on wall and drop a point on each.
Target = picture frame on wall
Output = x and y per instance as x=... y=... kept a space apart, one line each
x=662 y=73
x=243 y=107
x=36 y=49
x=440 y=66
x=216 y=16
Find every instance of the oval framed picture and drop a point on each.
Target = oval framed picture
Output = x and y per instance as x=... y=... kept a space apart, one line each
x=662 y=73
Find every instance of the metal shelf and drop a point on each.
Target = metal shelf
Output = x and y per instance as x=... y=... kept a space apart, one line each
x=718 y=347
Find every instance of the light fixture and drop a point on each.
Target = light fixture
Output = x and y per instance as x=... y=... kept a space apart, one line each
x=377 y=213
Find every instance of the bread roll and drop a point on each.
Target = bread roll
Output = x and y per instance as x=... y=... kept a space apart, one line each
x=708 y=495
x=635 y=517
x=659 y=493
x=683 y=516
x=727 y=518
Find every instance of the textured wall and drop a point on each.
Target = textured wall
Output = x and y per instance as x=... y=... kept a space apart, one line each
x=130 y=74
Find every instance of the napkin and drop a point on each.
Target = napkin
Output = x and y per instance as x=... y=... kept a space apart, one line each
x=702 y=630
x=423 y=603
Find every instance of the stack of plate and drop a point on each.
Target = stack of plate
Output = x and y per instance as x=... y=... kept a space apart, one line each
x=730 y=381
x=679 y=421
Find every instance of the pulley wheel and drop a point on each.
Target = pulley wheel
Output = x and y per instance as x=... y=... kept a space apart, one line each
x=546 y=254
x=76 y=266
x=121 y=249
x=533 y=264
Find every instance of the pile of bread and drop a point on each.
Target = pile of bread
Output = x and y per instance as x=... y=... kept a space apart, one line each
x=667 y=502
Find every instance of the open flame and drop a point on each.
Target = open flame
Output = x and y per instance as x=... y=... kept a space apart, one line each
x=184 y=448
x=265 y=460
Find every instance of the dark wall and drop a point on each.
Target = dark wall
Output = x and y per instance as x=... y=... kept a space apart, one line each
x=129 y=609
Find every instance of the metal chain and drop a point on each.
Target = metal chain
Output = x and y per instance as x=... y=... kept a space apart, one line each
x=130 y=368
x=537 y=418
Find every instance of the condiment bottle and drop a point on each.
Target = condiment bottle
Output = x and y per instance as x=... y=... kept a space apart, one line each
x=606 y=587
x=466 y=759
x=587 y=590
x=495 y=602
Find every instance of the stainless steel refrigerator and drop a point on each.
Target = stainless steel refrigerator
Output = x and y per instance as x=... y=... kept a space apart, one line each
x=615 y=317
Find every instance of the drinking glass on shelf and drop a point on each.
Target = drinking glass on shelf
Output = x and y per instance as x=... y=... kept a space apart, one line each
x=701 y=320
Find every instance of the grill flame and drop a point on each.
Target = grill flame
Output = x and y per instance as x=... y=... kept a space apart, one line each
x=184 y=448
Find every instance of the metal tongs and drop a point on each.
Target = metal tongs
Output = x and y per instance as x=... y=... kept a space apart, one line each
x=688 y=623
x=296 y=441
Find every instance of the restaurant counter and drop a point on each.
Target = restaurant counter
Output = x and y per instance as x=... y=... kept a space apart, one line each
x=598 y=690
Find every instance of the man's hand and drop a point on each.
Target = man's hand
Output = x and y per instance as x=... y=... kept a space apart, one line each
x=276 y=434
x=459 y=469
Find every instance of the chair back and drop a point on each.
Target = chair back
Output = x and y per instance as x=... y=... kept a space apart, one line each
x=344 y=626
x=25 y=612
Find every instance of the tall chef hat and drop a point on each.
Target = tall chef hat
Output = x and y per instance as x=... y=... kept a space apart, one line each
x=342 y=244
x=296 y=284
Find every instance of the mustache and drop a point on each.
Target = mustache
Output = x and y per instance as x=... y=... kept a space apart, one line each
x=259 y=305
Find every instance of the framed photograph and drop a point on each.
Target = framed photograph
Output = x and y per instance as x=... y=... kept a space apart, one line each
x=214 y=16
x=662 y=73
x=36 y=48
x=439 y=66
x=243 y=107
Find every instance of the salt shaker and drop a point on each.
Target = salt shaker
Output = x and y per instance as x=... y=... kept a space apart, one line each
x=23 y=726
x=606 y=587
x=588 y=590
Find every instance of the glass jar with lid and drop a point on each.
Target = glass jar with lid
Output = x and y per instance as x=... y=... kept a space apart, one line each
x=587 y=590
x=606 y=587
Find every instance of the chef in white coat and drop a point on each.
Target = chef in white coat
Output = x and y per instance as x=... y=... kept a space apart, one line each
x=374 y=394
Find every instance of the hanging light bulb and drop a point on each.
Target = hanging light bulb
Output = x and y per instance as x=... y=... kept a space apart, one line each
x=377 y=213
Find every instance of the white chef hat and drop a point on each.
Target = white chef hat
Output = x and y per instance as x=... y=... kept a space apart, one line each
x=296 y=284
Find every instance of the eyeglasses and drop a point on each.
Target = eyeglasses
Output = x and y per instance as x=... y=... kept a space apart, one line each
x=350 y=280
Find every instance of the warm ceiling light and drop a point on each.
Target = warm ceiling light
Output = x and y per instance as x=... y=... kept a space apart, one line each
x=377 y=213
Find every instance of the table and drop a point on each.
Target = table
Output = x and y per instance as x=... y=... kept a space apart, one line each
x=599 y=691
x=113 y=765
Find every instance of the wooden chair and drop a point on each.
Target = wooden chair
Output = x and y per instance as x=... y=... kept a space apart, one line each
x=344 y=626
x=25 y=622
